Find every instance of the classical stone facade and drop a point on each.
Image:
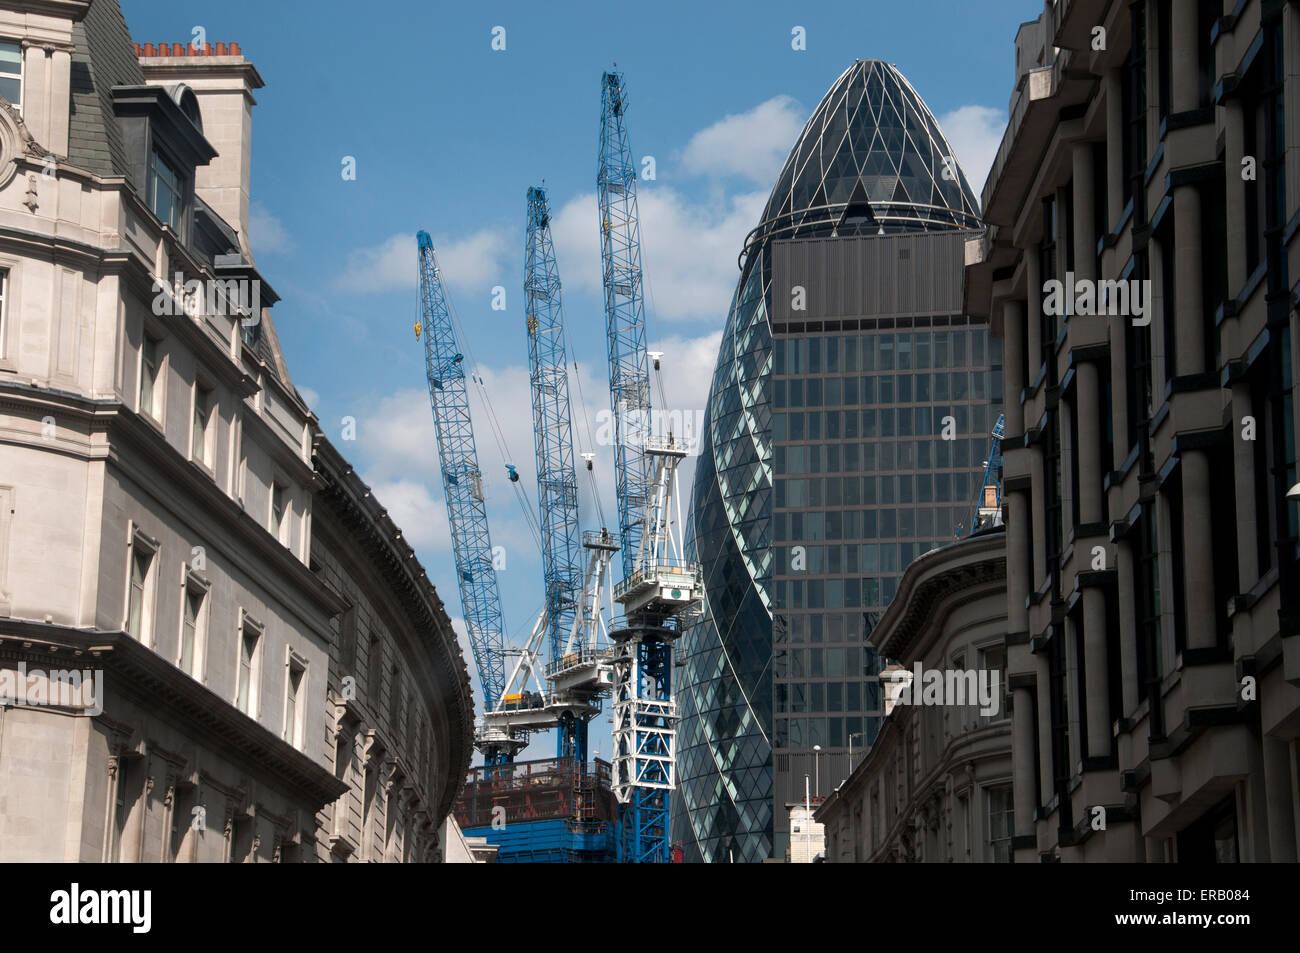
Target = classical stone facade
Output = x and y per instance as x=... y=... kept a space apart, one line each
x=159 y=477
x=936 y=784
x=401 y=711
x=1153 y=597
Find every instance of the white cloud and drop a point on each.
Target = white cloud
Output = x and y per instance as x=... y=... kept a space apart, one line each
x=388 y=265
x=310 y=397
x=413 y=507
x=477 y=262
x=265 y=232
x=688 y=250
x=472 y=264
x=751 y=145
x=974 y=132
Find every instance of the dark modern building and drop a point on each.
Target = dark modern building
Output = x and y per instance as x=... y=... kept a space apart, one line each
x=1153 y=601
x=846 y=432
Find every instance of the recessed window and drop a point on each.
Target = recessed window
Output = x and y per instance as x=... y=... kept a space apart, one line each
x=200 y=441
x=149 y=377
x=1001 y=824
x=11 y=73
x=4 y=307
x=165 y=193
x=250 y=651
x=280 y=513
x=293 y=698
x=193 y=623
x=140 y=587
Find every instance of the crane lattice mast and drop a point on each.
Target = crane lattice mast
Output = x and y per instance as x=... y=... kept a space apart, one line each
x=463 y=487
x=557 y=481
x=658 y=586
x=629 y=374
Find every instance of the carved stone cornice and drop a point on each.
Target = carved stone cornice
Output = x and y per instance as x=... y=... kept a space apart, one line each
x=135 y=670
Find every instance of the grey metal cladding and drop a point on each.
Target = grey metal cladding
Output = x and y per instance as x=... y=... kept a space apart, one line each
x=834 y=275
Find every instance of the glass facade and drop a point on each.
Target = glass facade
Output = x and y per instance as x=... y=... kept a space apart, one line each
x=828 y=441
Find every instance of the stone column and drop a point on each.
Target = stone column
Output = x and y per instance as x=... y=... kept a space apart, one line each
x=1085 y=226
x=1022 y=757
x=1280 y=798
x=1013 y=351
x=1198 y=550
x=1189 y=357
x=36 y=93
x=1088 y=442
x=1096 y=674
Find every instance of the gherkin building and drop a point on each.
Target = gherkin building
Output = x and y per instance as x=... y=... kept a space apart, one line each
x=871 y=160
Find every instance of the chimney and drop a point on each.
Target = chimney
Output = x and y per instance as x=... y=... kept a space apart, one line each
x=223 y=81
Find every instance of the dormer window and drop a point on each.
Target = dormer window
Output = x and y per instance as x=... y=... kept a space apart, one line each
x=166 y=194
x=164 y=147
x=11 y=73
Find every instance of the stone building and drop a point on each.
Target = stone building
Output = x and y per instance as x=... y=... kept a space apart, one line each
x=159 y=477
x=1152 y=595
x=936 y=786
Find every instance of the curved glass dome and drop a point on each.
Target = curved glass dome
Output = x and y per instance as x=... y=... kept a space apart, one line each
x=871 y=159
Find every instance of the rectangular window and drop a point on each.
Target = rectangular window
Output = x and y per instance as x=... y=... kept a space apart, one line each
x=1001 y=822
x=1150 y=660
x=250 y=653
x=11 y=73
x=140 y=588
x=1047 y=264
x=293 y=697
x=1207 y=14
x=192 y=625
x=149 y=377
x=4 y=301
x=374 y=660
x=348 y=640
x=279 y=513
x=1139 y=391
x=994 y=659
x=1165 y=77
x=200 y=438
x=1134 y=110
x=165 y=192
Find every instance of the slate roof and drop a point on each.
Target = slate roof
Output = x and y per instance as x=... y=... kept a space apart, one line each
x=104 y=58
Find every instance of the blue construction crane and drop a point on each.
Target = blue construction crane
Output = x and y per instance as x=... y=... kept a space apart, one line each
x=557 y=481
x=987 y=510
x=629 y=375
x=463 y=485
x=659 y=585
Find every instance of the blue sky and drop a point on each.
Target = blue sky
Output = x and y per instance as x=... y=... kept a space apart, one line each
x=448 y=134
